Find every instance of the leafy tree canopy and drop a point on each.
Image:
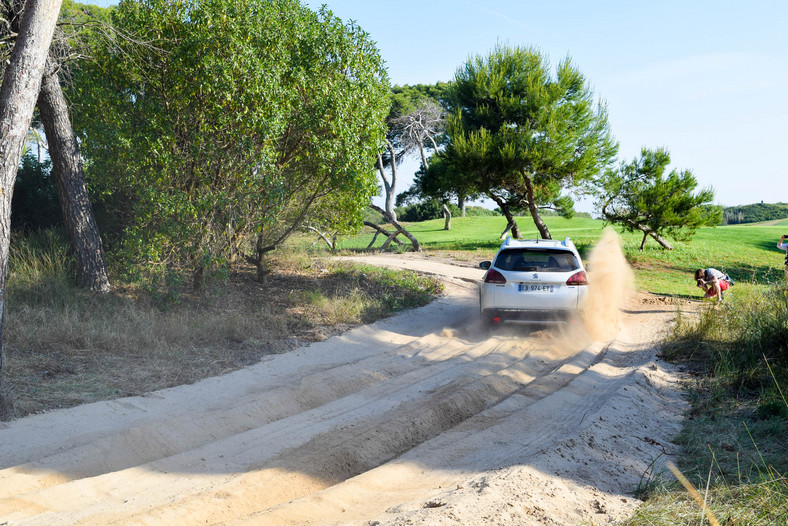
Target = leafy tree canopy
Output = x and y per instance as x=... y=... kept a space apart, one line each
x=415 y=119
x=407 y=97
x=523 y=135
x=643 y=196
x=221 y=126
x=34 y=204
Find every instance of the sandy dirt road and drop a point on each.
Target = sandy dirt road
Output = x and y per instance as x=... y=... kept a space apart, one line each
x=423 y=418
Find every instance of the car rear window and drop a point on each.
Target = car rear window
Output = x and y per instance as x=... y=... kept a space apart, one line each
x=542 y=259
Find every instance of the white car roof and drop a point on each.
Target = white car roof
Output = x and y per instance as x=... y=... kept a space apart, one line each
x=533 y=243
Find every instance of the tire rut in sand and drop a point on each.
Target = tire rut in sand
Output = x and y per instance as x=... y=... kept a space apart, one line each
x=325 y=445
x=519 y=432
x=162 y=438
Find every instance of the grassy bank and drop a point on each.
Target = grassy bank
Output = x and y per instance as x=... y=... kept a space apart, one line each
x=63 y=346
x=733 y=446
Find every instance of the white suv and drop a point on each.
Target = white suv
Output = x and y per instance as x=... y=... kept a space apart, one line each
x=536 y=280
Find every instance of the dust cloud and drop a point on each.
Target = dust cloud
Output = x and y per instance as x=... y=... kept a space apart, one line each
x=610 y=283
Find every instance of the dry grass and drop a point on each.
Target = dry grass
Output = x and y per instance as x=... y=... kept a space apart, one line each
x=64 y=347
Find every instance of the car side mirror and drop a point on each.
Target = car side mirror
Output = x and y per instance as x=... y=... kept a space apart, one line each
x=485 y=265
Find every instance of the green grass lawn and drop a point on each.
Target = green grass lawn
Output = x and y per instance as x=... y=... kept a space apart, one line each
x=746 y=252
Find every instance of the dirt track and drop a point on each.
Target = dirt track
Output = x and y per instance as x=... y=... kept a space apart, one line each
x=419 y=419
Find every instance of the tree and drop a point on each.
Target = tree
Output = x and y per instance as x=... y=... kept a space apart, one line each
x=221 y=127
x=641 y=196
x=86 y=243
x=21 y=84
x=415 y=122
x=522 y=136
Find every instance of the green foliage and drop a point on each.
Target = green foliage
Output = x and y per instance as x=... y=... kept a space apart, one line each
x=754 y=213
x=442 y=182
x=432 y=209
x=473 y=211
x=415 y=120
x=421 y=211
x=222 y=126
x=733 y=447
x=407 y=98
x=520 y=134
x=40 y=269
x=35 y=202
x=395 y=290
x=641 y=196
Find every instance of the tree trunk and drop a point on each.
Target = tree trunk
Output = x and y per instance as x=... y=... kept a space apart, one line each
x=423 y=155
x=380 y=230
x=505 y=231
x=70 y=178
x=461 y=203
x=400 y=230
x=21 y=84
x=446 y=217
x=540 y=225
x=332 y=243
x=389 y=185
x=259 y=260
x=511 y=224
x=659 y=239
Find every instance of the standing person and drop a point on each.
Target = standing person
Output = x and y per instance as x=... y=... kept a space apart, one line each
x=713 y=282
x=782 y=245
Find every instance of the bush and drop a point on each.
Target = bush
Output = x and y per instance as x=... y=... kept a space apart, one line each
x=480 y=211
x=431 y=209
x=35 y=203
x=423 y=211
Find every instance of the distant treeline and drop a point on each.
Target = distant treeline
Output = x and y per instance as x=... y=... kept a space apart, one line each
x=754 y=213
x=431 y=209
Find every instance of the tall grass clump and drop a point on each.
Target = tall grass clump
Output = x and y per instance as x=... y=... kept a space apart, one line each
x=734 y=340
x=732 y=447
x=40 y=268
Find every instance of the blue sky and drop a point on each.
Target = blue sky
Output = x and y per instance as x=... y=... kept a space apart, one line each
x=708 y=80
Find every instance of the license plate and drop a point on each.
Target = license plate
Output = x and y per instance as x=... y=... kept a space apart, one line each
x=536 y=287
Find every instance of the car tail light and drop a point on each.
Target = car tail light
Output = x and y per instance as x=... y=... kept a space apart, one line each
x=493 y=276
x=578 y=278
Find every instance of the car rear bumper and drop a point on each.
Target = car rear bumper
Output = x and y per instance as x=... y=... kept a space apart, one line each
x=530 y=316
